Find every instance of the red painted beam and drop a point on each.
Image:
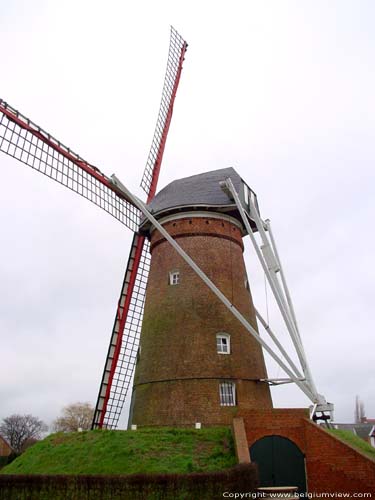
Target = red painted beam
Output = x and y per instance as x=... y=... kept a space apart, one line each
x=155 y=177
x=36 y=131
x=116 y=354
x=159 y=157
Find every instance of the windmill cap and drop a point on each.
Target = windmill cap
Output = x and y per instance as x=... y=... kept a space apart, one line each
x=199 y=192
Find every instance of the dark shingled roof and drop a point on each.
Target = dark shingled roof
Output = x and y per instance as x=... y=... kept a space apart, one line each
x=202 y=190
x=199 y=192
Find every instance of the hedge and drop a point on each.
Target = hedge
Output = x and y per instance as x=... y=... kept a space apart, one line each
x=202 y=486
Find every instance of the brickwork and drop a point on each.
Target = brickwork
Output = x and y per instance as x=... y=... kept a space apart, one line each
x=331 y=465
x=179 y=370
x=285 y=422
x=240 y=441
x=5 y=449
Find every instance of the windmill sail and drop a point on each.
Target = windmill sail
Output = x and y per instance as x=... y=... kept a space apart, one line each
x=30 y=144
x=121 y=357
x=124 y=343
x=27 y=142
x=176 y=54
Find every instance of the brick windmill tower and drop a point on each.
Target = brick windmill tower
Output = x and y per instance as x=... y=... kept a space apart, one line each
x=196 y=362
x=185 y=322
x=200 y=356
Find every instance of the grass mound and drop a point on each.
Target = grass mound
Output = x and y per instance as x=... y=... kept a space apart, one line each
x=355 y=441
x=156 y=450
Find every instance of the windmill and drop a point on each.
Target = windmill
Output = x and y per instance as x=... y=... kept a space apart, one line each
x=231 y=204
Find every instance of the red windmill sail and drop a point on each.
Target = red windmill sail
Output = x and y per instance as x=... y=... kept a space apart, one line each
x=123 y=347
x=24 y=140
x=29 y=143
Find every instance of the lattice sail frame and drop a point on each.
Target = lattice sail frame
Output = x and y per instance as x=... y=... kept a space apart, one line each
x=129 y=350
x=30 y=144
x=176 y=54
x=125 y=338
x=27 y=142
x=122 y=353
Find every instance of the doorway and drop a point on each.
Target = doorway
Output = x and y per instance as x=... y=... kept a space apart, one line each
x=280 y=462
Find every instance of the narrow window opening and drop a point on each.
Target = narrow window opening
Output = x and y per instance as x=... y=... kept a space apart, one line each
x=174 y=278
x=227 y=393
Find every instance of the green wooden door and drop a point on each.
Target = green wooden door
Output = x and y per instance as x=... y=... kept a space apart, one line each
x=280 y=462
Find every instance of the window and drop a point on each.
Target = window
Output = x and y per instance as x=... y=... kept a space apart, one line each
x=227 y=394
x=174 y=278
x=246 y=194
x=223 y=343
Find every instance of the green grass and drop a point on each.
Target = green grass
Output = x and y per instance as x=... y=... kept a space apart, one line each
x=355 y=441
x=156 y=450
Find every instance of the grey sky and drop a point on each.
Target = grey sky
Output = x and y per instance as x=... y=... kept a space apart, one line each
x=280 y=90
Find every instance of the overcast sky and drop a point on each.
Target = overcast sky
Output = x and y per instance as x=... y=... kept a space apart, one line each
x=281 y=90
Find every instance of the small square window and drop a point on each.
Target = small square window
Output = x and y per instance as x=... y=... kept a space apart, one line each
x=227 y=394
x=174 y=278
x=223 y=343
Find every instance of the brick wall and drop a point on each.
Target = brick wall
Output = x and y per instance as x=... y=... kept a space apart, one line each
x=5 y=449
x=240 y=441
x=179 y=370
x=332 y=466
x=285 y=422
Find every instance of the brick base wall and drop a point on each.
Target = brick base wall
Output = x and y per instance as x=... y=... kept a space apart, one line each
x=331 y=465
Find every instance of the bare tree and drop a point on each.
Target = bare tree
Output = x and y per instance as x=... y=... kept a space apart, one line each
x=74 y=416
x=18 y=429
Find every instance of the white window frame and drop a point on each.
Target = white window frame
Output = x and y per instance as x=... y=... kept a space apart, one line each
x=227 y=393
x=174 y=278
x=220 y=345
